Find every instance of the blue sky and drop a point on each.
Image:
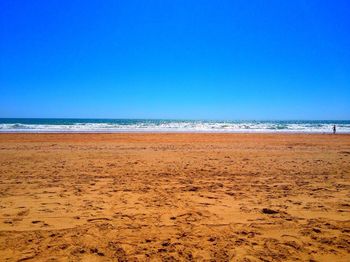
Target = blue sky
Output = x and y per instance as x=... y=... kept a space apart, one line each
x=175 y=59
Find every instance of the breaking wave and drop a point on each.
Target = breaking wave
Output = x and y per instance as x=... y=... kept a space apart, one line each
x=130 y=125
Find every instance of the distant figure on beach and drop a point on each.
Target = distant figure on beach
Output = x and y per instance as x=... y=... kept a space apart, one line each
x=334 y=129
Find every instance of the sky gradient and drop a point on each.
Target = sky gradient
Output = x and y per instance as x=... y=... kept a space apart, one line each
x=242 y=60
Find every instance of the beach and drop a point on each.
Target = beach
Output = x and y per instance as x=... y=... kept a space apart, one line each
x=174 y=197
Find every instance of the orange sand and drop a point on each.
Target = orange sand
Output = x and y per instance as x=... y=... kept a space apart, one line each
x=170 y=197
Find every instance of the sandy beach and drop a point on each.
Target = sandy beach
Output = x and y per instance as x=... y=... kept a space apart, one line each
x=174 y=197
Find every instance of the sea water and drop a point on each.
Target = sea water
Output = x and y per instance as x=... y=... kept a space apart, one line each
x=35 y=125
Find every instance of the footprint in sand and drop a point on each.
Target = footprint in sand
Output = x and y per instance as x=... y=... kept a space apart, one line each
x=39 y=222
x=23 y=213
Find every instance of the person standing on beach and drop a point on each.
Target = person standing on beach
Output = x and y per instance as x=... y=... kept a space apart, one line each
x=334 y=129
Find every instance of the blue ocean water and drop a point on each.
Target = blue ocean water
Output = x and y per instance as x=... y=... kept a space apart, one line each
x=35 y=125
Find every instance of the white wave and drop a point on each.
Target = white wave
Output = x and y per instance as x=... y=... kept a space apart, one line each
x=180 y=126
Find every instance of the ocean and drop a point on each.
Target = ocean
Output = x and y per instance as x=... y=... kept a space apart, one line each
x=56 y=125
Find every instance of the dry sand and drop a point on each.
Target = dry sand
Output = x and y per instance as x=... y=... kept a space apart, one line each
x=169 y=197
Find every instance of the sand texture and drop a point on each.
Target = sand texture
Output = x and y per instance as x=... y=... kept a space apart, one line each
x=174 y=197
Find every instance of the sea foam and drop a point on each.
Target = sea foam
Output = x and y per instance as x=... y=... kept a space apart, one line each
x=138 y=125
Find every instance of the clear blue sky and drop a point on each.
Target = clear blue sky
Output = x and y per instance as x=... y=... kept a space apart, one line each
x=175 y=59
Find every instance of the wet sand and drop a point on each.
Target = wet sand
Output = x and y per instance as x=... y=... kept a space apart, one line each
x=170 y=197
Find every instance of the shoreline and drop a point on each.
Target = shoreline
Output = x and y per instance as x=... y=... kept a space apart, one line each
x=175 y=132
x=171 y=126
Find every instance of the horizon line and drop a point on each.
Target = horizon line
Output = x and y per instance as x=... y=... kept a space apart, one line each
x=171 y=119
